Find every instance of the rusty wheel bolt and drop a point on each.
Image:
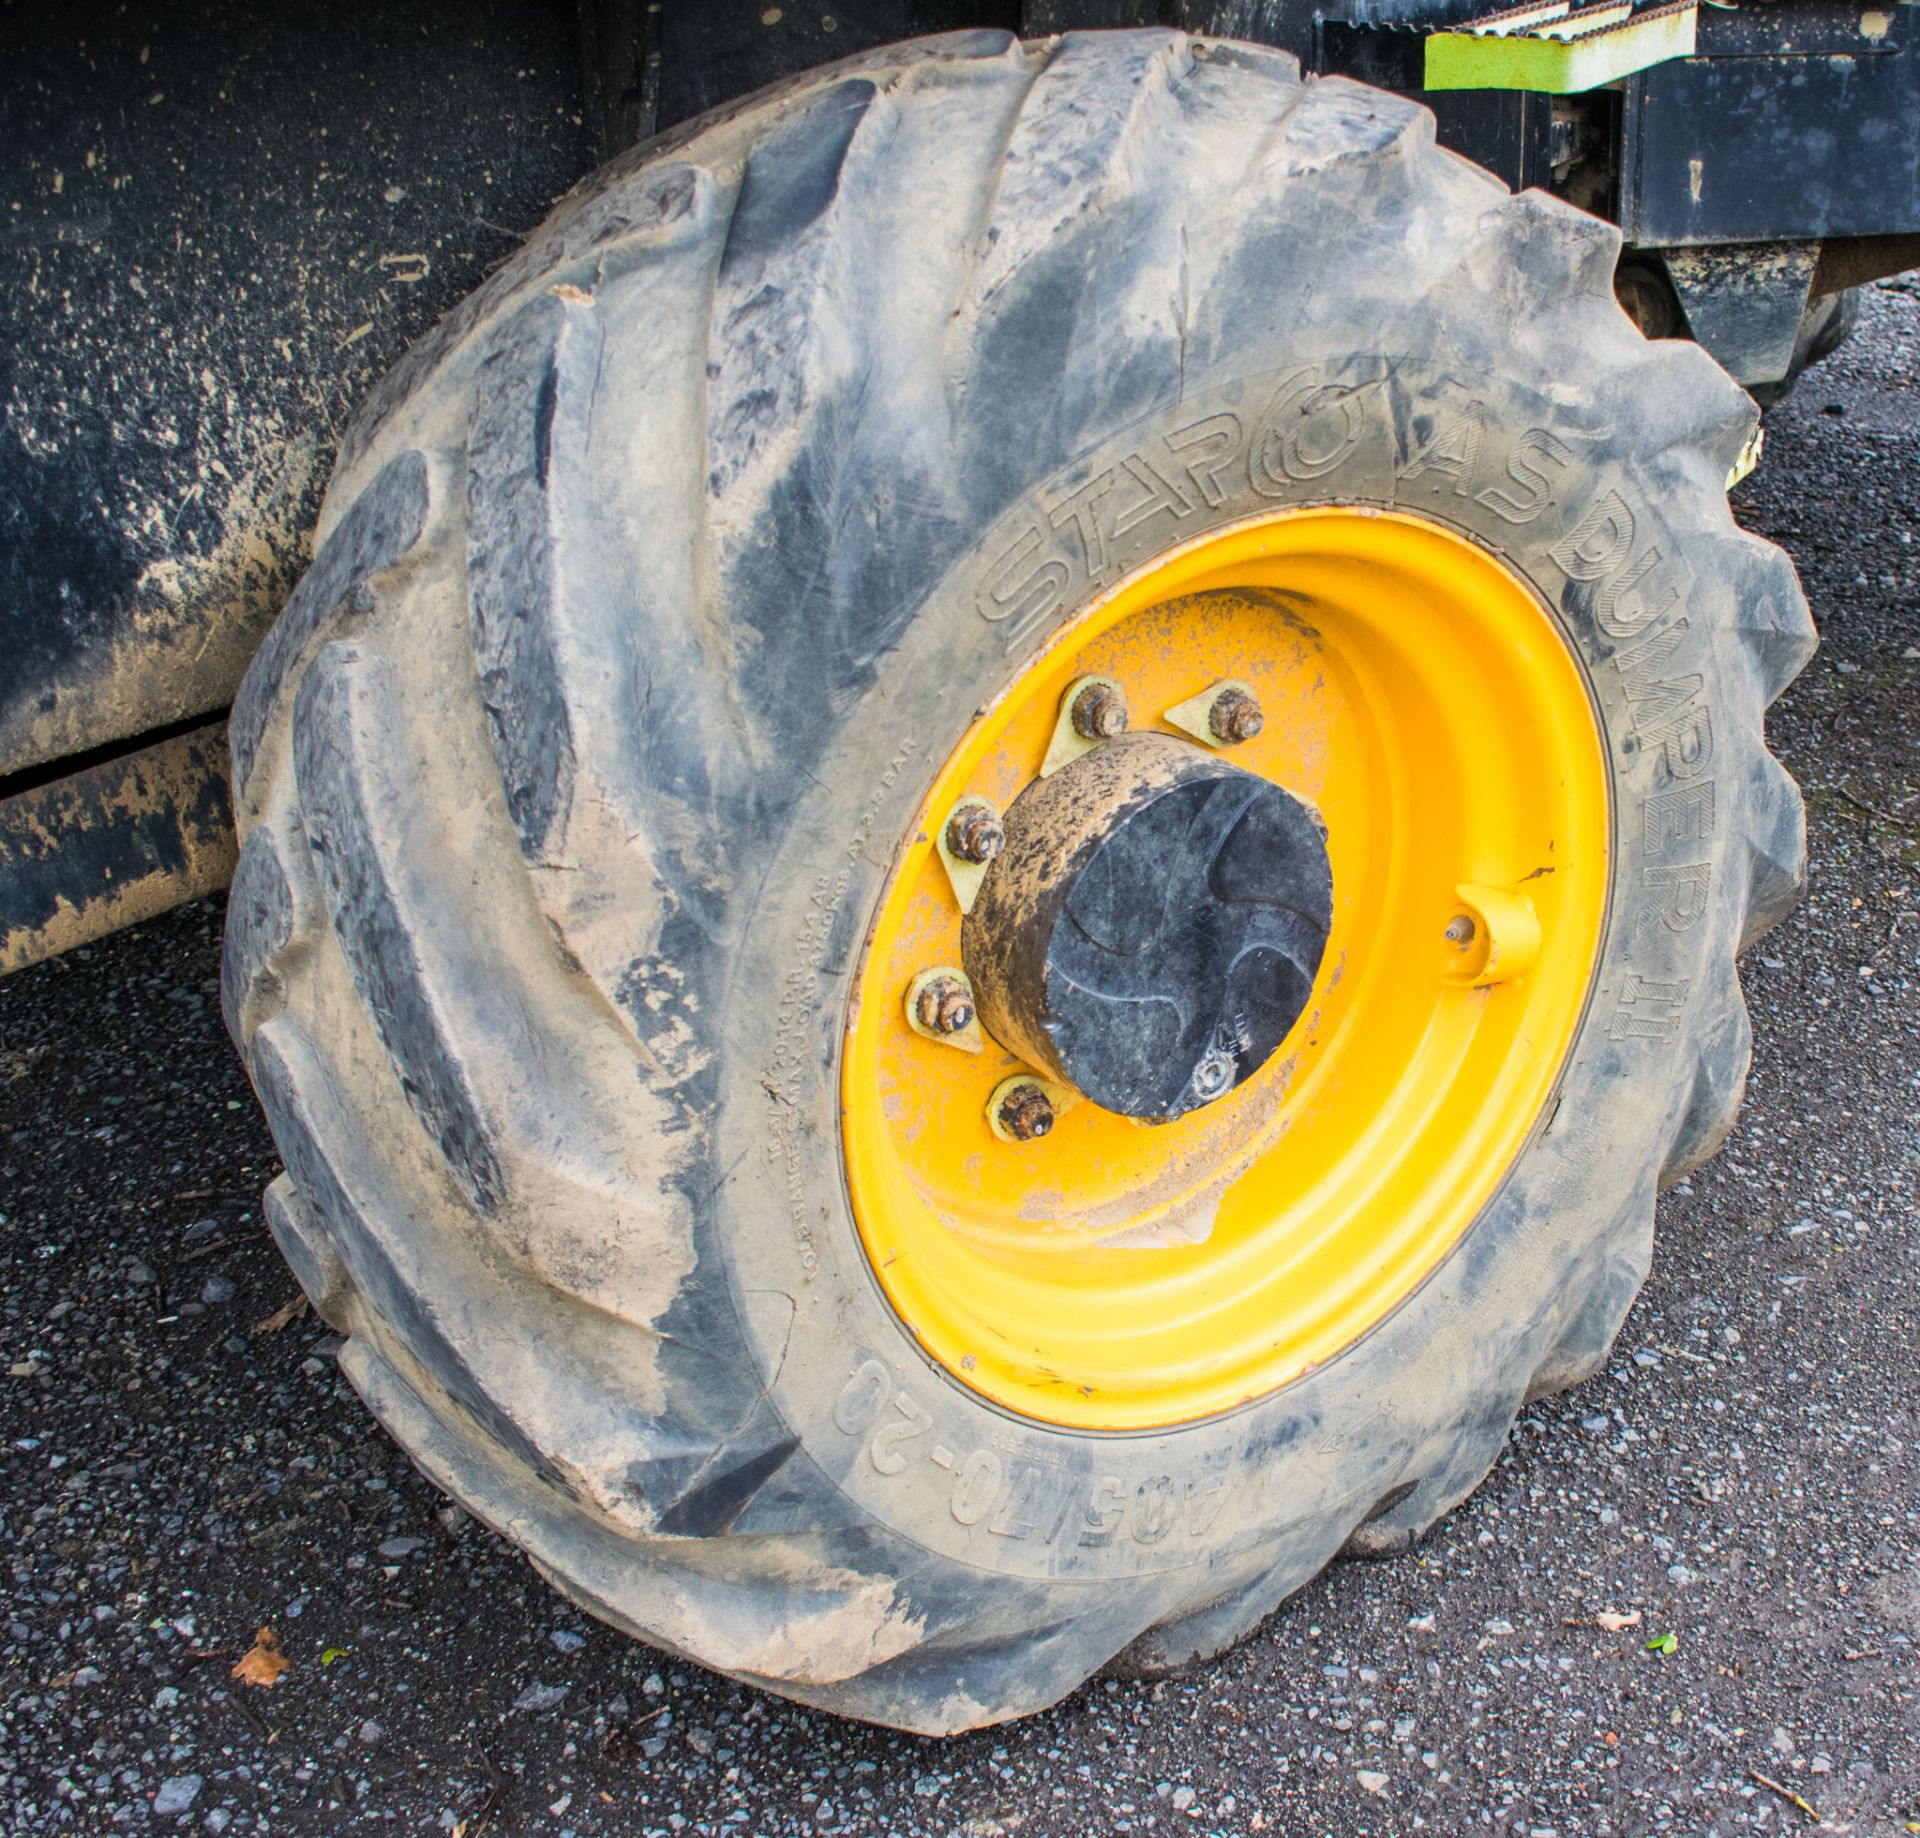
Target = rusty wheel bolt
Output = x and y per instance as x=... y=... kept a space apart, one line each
x=1026 y=1113
x=1099 y=712
x=944 y=1006
x=974 y=833
x=1234 y=716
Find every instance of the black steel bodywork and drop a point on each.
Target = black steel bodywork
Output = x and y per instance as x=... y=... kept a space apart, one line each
x=225 y=221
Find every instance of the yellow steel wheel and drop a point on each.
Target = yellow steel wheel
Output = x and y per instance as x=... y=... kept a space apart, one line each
x=1117 y=1275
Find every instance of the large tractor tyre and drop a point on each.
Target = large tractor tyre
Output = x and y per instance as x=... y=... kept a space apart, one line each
x=692 y=615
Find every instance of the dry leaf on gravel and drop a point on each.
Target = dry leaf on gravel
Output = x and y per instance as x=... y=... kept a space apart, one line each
x=1613 y=1622
x=273 y=1323
x=263 y=1662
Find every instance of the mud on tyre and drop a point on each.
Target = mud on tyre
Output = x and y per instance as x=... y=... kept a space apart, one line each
x=653 y=591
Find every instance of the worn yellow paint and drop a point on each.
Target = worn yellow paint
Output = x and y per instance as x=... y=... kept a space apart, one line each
x=1115 y=1275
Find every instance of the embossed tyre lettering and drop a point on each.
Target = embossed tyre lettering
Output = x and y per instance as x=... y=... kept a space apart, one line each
x=655 y=596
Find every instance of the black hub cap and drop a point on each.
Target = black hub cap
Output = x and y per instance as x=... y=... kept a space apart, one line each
x=1152 y=929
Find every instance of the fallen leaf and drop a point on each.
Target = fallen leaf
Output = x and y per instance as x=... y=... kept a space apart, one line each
x=290 y=1311
x=1613 y=1621
x=1663 y=1644
x=263 y=1662
x=331 y=1654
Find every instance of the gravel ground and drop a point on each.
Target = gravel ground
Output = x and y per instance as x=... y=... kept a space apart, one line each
x=1742 y=1478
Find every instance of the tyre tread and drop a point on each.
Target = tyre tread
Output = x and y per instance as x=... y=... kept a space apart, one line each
x=487 y=1070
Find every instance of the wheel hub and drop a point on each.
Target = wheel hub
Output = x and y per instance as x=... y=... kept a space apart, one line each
x=1048 y=1251
x=1152 y=930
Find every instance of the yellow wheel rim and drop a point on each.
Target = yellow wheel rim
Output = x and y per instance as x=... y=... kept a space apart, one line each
x=1117 y=1276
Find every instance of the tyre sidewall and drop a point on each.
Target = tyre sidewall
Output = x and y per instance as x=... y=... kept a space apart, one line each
x=1612 y=546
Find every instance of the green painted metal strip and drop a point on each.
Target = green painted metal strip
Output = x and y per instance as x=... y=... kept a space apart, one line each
x=1555 y=64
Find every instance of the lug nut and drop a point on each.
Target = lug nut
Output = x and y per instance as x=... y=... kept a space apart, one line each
x=1460 y=929
x=1026 y=1113
x=944 y=1005
x=1212 y=1077
x=1099 y=712
x=1233 y=717
x=975 y=834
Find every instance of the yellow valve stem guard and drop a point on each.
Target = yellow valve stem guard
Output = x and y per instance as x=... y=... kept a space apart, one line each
x=1117 y=1276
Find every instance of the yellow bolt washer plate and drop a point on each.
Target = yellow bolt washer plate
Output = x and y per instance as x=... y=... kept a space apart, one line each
x=1117 y=1276
x=1068 y=743
x=1193 y=715
x=963 y=876
x=968 y=1039
x=1063 y=1098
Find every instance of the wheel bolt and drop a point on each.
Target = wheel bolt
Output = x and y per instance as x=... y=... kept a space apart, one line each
x=1212 y=1077
x=1100 y=712
x=1026 y=1113
x=1460 y=929
x=944 y=1005
x=1233 y=717
x=974 y=833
